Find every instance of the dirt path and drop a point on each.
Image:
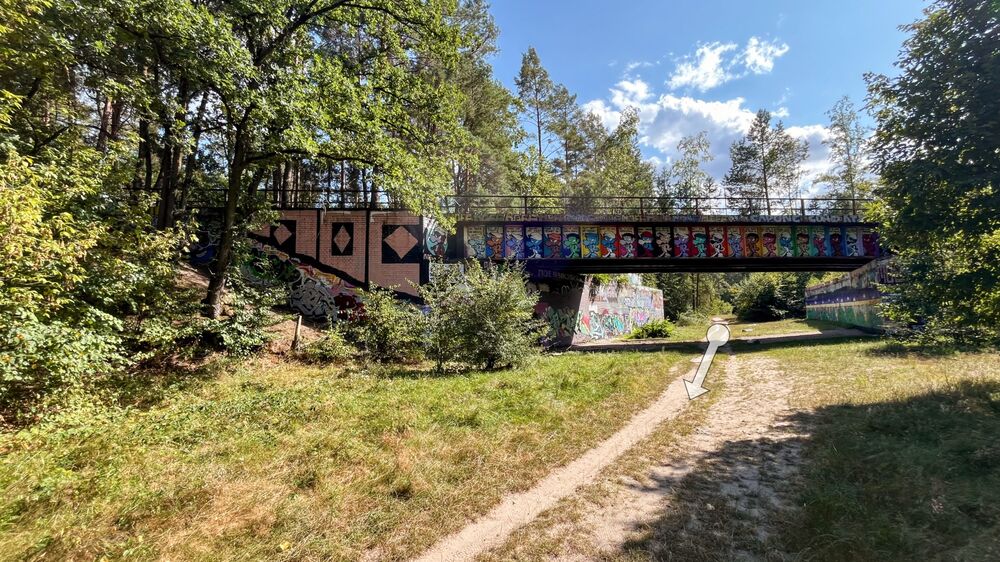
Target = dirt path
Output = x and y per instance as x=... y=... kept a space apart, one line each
x=519 y=509
x=715 y=495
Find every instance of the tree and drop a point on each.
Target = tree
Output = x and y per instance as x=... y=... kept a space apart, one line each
x=850 y=178
x=686 y=183
x=935 y=149
x=766 y=163
x=616 y=167
x=535 y=90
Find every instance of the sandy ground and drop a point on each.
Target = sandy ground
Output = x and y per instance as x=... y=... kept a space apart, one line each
x=519 y=509
x=715 y=494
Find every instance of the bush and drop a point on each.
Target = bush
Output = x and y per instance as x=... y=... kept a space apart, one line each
x=243 y=331
x=770 y=296
x=484 y=318
x=654 y=329
x=385 y=329
x=329 y=348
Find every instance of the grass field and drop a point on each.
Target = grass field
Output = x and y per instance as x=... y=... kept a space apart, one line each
x=902 y=461
x=276 y=460
x=740 y=328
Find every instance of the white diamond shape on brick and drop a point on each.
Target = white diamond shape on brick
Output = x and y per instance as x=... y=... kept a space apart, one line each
x=342 y=239
x=401 y=241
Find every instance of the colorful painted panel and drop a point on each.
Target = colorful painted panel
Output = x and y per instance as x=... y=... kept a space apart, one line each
x=533 y=242
x=853 y=242
x=754 y=246
x=734 y=241
x=838 y=244
x=553 y=242
x=571 y=245
x=818 y=234
x=513 y=242
x=716 y=241
x=494 y=241
x=626 y=242
x=664 y=242
x=435 y=241
x=590 y=239
x=802 y=242
x=646 y=246
x=769 y=241
x=609 y=241
x=869 y=242
x=785 y=242
x=682 y=241
x=475 y=242
x=699 y=242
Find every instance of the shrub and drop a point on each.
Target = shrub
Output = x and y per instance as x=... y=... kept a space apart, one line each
x=654 y=329
x=385 y=329
x=327 y=349
x=770 y=296
x=484 y=318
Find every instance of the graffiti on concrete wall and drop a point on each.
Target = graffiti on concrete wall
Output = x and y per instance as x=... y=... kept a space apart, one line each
x=854 y=297
x=627 y=242
x=612 y=310
x=312 y=293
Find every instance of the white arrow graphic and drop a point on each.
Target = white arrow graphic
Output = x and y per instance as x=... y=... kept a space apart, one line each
x=718 y=334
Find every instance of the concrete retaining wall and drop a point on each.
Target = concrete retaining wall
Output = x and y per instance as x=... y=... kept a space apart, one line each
x=853 y=298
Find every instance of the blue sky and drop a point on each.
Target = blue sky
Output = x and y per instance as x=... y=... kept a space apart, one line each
x=707 y=65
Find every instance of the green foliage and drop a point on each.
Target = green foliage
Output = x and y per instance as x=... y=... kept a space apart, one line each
x=850 y=177
x=766 y=163
x=770 y=296
x=330 y=348
x=654 y=329
x=935 y=148
x=698 y=293
x=244 y=330
x=385 y=329
x=483 y=318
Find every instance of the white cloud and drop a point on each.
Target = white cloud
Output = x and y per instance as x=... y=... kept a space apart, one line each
x=706 y=70
x=716 y=63
x=666 y=118
x=759 y=55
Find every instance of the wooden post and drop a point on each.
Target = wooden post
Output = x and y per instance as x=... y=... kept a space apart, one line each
x=298 y=330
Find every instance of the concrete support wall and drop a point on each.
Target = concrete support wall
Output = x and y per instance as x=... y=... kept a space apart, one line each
x=578 y=310
x=853 y=298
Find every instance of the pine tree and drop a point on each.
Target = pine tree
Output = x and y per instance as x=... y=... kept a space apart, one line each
x=766 y=163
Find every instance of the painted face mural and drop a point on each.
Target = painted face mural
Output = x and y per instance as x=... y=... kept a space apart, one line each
x=700 y=240
x=838 y=249
x=752 y=239
x=663 y=245
x=868 y=242
x=785 y=244
x=819 y=244
x=475 y=244
x=532 y=242
x=735 y=243
x=553 y=242
x=770 y=250
x=681 y=245
x=627 y=246
x=494 y=244
x=802 y=241
x=716 y=242
x=852 y=242
x=645 y=249
x=609 y=242
x=592 y=244
x=571 y=246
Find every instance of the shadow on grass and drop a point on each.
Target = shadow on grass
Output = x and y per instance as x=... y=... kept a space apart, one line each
x=902 y=480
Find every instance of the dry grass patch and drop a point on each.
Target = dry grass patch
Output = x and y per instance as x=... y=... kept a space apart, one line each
x=276 y=460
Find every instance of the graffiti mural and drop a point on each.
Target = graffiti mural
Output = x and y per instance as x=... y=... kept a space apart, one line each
x=615 y=309
x=435 y=240
x=312 y=293
x=636 y=242
x=854 y=297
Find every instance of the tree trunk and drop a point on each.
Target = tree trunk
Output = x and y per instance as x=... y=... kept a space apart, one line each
x=217 y=284
x=191 y=160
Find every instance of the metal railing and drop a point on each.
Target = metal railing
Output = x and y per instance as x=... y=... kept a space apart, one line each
x=473 y=207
